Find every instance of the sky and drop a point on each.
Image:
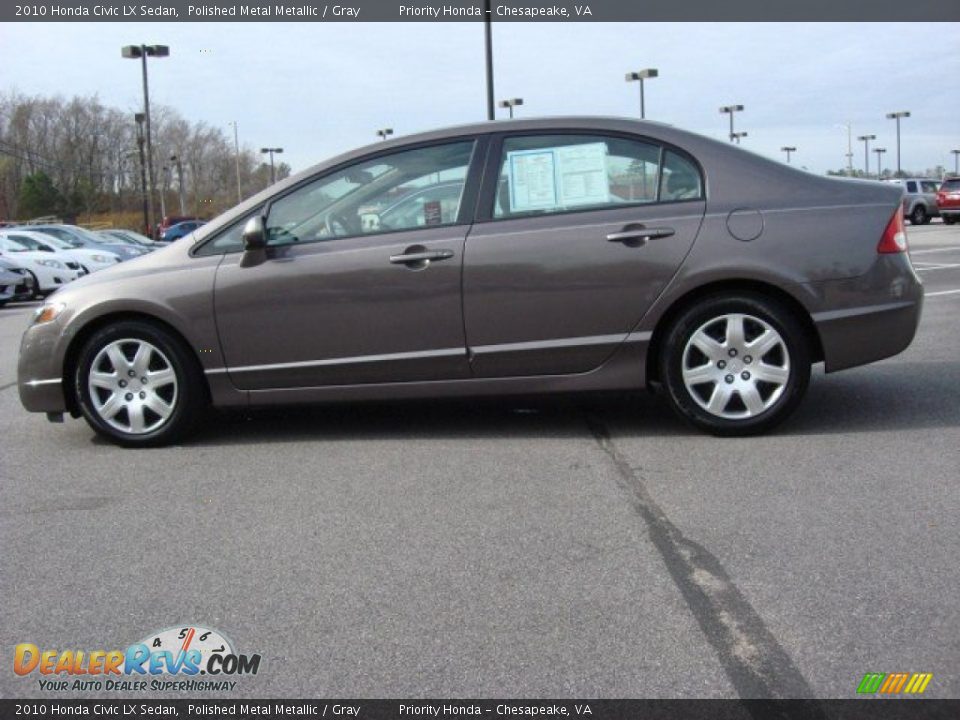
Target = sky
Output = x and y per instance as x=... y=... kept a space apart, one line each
x=318 y=89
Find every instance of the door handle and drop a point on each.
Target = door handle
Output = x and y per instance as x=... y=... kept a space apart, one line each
x=640 y=235
x=407 y=258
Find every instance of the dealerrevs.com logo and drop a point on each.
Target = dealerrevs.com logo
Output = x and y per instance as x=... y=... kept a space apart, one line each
x=172 y=659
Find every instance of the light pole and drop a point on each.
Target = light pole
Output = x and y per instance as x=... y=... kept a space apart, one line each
x=879 y=152
x=511 y=103
x=176 y=159
x=139 y=119
x=956 y=162
x=165 y=174
x=642 y=75
x=264 y=151
x=236 y=152
x=866 y=152
x=488 y=53
x=142 y=52
x=730 y=110
x=384 y=133
x=788 y=149
x=896 y=116
x=737 y=135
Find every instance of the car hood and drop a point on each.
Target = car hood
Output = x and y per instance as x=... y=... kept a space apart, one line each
x=168 y=259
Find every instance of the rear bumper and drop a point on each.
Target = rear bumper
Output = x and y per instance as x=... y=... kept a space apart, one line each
x=853 y=332
x=951 y=210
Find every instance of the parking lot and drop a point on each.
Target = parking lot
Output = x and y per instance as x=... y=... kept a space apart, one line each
x=588 y=547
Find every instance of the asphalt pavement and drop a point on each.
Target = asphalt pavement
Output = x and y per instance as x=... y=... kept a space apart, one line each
x=567 y=547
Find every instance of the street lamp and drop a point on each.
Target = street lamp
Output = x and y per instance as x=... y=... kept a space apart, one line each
x=896 y=116
x=176 y=159
x=730 y=110
x=236 y=150
x=384 y=133
x=788 y=149
x=737 y=135
x=866 y=152
x=142 y=52
x=264 y=151
x=879 y=152
x=488 y=56
x=512 y=103
x=642 y=75
x=956 y=162
x=139 y=118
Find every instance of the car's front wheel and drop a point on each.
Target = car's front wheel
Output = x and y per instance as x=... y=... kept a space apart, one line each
x=735 y=364
x=137 y=384
x=919 y=216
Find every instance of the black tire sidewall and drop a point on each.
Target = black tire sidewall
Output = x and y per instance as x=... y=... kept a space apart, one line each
x=189 y=392
x=772 y=312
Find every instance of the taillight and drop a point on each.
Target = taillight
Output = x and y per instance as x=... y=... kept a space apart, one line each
x=894 y=238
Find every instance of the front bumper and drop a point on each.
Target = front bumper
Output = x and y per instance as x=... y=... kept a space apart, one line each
x=39 y=374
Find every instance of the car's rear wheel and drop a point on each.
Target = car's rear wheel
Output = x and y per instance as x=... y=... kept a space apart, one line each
x=919 y=216
x=138 y=385
x=735 y=364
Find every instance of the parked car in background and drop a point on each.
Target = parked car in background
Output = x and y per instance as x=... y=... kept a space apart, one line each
x=83 y=258
x=15 y=283
x=948 y=200
x=919 y=198
x=169 y=221
x=581 y=254
x=48 y=271
x=175 y=232
x=80 y=237
x=130 y=236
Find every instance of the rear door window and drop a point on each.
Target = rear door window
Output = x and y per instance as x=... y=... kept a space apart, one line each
x=911 y=186
x=547 y=174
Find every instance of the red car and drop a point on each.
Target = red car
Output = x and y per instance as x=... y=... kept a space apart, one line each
x=948 y=200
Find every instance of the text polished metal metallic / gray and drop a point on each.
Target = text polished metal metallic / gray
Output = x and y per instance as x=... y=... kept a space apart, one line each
x=516 y=257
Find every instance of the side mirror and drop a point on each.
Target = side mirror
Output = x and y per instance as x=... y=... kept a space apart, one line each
x=254 y=234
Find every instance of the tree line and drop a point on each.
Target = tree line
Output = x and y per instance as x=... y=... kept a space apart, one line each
x=77 y=157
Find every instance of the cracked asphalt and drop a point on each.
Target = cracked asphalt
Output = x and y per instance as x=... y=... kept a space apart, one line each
x=565 y=547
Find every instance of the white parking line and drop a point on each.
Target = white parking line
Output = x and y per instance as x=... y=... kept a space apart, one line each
x=941 y=292
x=935 y=266
x=934 y=250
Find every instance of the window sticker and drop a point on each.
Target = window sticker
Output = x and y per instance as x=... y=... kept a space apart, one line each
x=558 y=177
x=583 y=174
x=533 y=182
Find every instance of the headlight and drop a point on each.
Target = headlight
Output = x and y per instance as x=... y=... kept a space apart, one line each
x=51 y=264
x=102 y=259
x=47 y=312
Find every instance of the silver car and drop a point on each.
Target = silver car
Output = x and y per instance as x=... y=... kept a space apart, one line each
x=919 y=198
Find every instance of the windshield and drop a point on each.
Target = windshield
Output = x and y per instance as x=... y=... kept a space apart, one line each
x=59 y=243
x=61 y=235
x=12 y=245
x=28 y=242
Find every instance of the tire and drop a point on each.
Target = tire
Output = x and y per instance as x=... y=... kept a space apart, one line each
x=746 y=404
x=949 y=220
x=122 y=407
x=37 y=292
x=919 y=215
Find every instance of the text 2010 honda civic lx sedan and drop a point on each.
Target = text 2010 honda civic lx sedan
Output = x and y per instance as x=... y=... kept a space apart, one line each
x=531 y=256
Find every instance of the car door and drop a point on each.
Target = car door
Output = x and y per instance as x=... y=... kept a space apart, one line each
x=579 y=233
x=343 y=298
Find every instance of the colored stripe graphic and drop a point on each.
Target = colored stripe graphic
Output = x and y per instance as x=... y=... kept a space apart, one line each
x=918 y=683
x=894 y=683
x=871 y=683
